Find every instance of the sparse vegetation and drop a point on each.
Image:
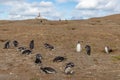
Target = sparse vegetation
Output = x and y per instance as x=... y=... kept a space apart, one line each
x=116 y=57
x=35 y=78
x=63 y=36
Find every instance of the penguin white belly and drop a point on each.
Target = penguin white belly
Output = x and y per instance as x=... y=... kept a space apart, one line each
x=106 y=50
x=78 y=48
x=69 y=70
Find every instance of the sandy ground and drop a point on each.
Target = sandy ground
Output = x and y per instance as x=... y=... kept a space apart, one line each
x=64 y=35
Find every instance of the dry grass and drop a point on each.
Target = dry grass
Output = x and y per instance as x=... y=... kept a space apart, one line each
x=116 y=57
x=64 y=36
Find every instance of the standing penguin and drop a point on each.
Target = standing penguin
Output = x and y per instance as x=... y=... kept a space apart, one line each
x=78 y=47
x=108 y=50
x=38 y=59
x=48 y=70
x=15 y=43
x=31 y=45
x=88 y=49
x=7 y=45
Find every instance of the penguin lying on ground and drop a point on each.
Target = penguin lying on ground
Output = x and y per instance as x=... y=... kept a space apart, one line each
x=59 y=59
x=48 y=70
x=21 y=49
x=69 y=68
x=27 y=51
x=48 y=46
x=70 y=64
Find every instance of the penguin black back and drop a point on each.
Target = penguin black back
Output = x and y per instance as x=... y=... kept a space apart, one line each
x=88 y=49
x=27 y=51
x=59 y=59
x=15 y=43
x=38 y=59
x=7 y=45
x=48 y=46
x=39 y=56
x=31 y=45
x=48 y=70
x=21 y=49
x=70 y=64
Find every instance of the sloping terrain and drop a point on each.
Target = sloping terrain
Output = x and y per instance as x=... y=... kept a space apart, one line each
x=63 y=35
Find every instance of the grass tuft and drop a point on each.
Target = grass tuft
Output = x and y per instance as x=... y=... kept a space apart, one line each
x=35 y=78
x=116 y=57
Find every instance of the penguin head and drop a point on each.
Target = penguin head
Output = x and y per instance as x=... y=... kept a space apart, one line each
x=80 y=41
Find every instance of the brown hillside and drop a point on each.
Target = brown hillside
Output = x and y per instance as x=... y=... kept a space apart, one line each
x=63 y=35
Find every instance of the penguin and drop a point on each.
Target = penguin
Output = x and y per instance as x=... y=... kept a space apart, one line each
x=69 y=68
x=88 y=49
x=70 y=64
x=7 y=45
x=108 y=50
x=68 y=71
x=39 y=56
x=48 y=70
x=31 y=45
x=59 y=59
x=38 y=59
x=15 y=43
x=27 y=51
x=78 y=47
x=21 y=49
x=48 y=46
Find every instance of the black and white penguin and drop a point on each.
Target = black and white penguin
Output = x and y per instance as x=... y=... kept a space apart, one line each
x=31 y=45
x=69 y=68
x=108 y=50
x=88 y=49
x=21 y=49
x=48 y=46
x=48 y=70
x=15 y=43
x=38 y=59
x=68 y=71
x=78 y=47
x=7 y=45
x=27 y=51
x=39 y=56
x=59 y=59
x=70 y=64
